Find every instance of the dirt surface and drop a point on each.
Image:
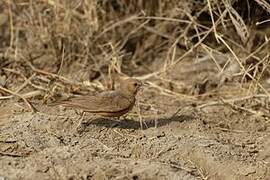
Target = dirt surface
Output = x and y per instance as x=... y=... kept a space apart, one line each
x=205 y=111
x=214 y=142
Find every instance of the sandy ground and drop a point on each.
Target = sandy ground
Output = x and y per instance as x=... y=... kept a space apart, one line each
x=216 y=143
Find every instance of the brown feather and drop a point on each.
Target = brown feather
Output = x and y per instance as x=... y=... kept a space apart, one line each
x=109 y=103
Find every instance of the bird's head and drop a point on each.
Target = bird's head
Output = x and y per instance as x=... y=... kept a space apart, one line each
x=130 y=86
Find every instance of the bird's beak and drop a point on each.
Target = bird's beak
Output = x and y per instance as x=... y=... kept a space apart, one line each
x=145 y=83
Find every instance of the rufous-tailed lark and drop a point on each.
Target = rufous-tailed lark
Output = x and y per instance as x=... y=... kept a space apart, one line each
x=113 y=103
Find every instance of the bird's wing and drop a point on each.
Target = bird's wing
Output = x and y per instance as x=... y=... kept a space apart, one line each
x=110 y=101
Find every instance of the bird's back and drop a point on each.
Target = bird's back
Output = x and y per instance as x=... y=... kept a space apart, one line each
x=109 y=103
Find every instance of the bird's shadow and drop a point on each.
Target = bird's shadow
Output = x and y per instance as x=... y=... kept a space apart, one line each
x=135 y=124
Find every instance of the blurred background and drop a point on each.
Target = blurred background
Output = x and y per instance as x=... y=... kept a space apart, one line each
x=183 y=47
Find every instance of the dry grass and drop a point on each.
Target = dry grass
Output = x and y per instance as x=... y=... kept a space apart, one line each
x=58 y=47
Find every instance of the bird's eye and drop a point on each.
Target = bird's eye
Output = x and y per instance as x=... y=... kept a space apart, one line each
x=135 y=84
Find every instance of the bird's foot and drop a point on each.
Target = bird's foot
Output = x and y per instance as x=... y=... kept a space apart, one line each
x=81 y=128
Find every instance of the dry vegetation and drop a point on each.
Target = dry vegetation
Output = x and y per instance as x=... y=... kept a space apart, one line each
x=204 y=53
x=68 y=45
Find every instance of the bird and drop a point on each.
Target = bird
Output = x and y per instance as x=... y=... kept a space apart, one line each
x=112 y=103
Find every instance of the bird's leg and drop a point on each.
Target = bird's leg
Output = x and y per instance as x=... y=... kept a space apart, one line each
x=140 y=117
x=82 y=120
x=82 y=123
